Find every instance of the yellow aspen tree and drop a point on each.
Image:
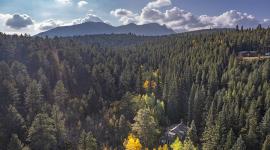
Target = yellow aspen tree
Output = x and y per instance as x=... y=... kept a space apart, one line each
x=177 y=144
x=132 y=143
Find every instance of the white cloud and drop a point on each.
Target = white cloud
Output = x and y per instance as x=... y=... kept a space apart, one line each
x=49 y=24
x=181 y=20
x=10 y=25
x=22 y=23
x=64 y=2
x=158 y=3
x=125 y=16
x=88 y=18
x=230 y=19
x=82 y=3
x=18 y=21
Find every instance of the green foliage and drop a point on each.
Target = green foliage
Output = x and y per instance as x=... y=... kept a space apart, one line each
x=42 y=134
x=146 y=127
x=15 y=143
x=60 y=129
x=60 y=95
x=266 y=144
x=87 y=141
x=192 y=133
x=33 y=99
x=239 y=144
x=95 y=83
x=230 y=140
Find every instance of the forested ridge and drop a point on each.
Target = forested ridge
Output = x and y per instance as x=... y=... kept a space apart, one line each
x=102 y=92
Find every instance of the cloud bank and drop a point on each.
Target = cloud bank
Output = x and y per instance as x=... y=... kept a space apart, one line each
x=156 y=11
x=50 y=24
x=87 y=18
x=181 y=20
x=23 y=23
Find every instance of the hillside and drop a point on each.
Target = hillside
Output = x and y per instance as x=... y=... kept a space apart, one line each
x=121 y=91
x=94 y=28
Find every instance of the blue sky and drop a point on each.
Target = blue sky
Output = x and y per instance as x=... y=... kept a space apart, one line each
x=33 y=16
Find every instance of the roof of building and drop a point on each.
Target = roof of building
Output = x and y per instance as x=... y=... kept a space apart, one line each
x=242 y=52
x=179 y=129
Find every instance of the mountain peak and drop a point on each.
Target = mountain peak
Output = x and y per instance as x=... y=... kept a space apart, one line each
x=93 y=28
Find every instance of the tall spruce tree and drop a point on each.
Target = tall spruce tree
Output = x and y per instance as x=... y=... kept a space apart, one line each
x=87 y=141
x=42 y=133
x=33 y=99
x=146 y=127
x=15 y=143
x=239 y=144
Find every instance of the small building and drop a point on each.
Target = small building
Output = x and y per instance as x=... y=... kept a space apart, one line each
x=267 y=54
x=177 y=130
x=248 y=54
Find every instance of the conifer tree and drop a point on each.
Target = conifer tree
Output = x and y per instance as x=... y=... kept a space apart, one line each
x=230 y=140
x=87 y=141
x=146 y=127
x=265 y=123
x=60 y=129
x=33 y=99
x=42 y=133
x=15 y=143
x=266 y=143
x=192 y=133
x=60 y=95
x=239 y=144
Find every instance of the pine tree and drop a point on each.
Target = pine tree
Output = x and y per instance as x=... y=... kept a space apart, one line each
x=60 y=95
x=230 y=140
x=42 y=133
x=87 y=141
x=33 y=99
x=239 y=144
x=146 y=127
x=192 y=133
x=198 y=107
x=265 y=123
x=139 y=82
x=188 y=145
x=252 y=137
x=173 y=101
x=191 y=102
x=15 y=123
x=210 y=135
x=266 y=143
x=60 y=129
x=15 y=143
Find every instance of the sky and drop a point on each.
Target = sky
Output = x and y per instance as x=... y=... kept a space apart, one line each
x=34 y=16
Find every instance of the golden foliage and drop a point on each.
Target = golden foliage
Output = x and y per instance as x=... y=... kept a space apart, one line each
x=146 y=84
x=156 y=73
x=177 y=144
x=164 y=147
x=132 y=143
x=153 y=84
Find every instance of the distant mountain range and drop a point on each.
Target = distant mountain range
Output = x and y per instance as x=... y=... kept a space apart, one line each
x=94 y=28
